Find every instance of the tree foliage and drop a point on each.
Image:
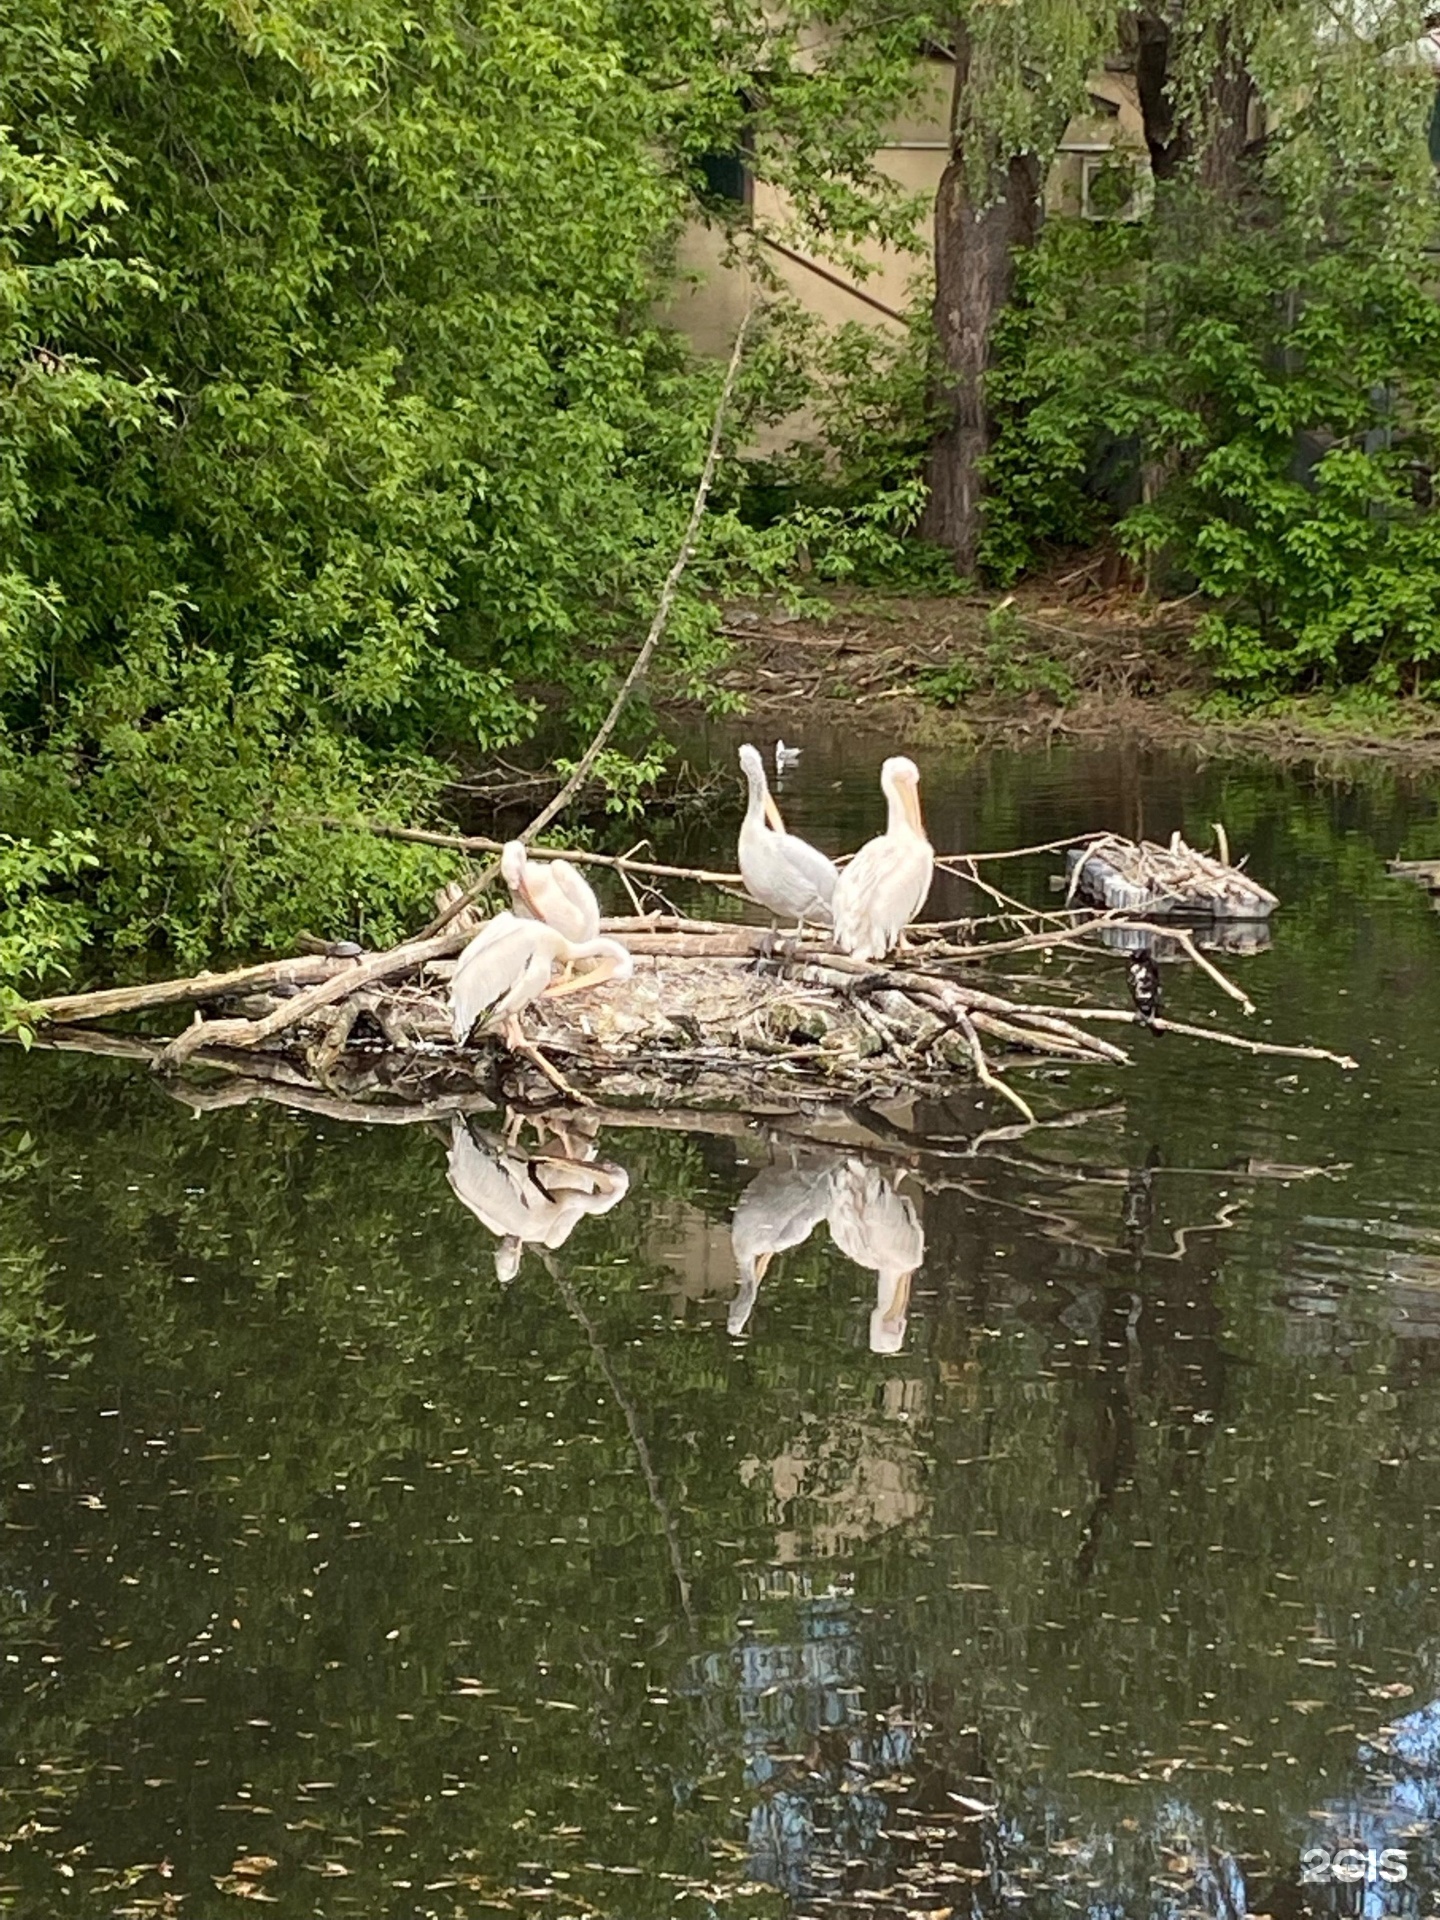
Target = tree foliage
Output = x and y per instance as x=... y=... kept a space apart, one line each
x=1245 y=379
x=333 y=422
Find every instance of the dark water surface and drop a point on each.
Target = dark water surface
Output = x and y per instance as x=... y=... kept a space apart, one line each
x=1101 y=1575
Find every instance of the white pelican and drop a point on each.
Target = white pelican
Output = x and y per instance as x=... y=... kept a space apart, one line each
x=552 y=891
x=780 y=870
x=884 y=886
x=781 y=1208
x=527 y=1200
x=877 y=1227
x=509 y=963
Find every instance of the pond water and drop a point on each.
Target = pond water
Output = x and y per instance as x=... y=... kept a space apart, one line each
x=1098 y=1573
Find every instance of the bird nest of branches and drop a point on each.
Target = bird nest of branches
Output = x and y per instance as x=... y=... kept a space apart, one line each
x=715 y=1014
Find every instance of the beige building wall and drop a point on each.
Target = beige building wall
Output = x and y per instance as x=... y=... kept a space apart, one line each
x=720 y=287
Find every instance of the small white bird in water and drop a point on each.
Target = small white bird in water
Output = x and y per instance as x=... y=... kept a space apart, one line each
x=509 y=964
x=552 y=891
x=785 y=758
x=780 y=870
x=884 y=886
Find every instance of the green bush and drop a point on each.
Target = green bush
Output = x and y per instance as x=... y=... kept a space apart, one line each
x=42 y=925
x=1255 y=414
x=335 y=433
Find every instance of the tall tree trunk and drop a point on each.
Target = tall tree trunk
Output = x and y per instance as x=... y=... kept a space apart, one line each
x=1170 y=138
x=1222 y=163
x=974 y=276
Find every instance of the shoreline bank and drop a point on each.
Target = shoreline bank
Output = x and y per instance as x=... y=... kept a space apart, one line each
x=1032 y=667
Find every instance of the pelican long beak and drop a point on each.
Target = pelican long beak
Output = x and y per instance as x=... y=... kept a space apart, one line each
x=762 y=1262
x=772 y=814
x=523 y=891
x=911 y=794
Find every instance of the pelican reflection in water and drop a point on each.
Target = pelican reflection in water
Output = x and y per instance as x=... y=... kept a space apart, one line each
x=527 y=1199
x=870 y=1221
x=876 y=1226
x=781 y=1208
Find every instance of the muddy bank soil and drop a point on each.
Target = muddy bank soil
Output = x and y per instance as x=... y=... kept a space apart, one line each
x=1047 y=661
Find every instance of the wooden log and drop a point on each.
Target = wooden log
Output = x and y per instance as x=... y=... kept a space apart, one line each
x=198 y=989
x=393 y=964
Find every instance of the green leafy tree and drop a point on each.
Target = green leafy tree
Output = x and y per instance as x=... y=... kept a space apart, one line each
x=334 y=427
x=1252 y=367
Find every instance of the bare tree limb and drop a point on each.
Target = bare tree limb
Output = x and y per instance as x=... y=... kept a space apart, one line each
x=581 y=770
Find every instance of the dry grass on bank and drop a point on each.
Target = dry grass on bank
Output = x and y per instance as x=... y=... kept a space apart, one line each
x=1064 y=657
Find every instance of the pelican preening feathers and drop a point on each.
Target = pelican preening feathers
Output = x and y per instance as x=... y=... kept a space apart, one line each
x=552 y=891
x=509 y=964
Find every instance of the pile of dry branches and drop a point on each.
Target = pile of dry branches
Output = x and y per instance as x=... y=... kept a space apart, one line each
x=1178 y=879
x=707 y=1020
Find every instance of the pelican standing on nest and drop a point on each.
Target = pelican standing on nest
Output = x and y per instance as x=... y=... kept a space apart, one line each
x=508 y=965
x=877 y=1227
x=884 y=886
x=552 y=891
x=780 y=870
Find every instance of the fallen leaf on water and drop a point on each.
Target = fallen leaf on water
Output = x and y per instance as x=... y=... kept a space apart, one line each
x=244 y=1889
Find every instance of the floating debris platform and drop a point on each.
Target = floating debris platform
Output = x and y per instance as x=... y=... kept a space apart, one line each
x=1176 y=882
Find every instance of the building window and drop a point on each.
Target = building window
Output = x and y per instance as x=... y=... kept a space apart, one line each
x=1108 y=188
x=727 y=178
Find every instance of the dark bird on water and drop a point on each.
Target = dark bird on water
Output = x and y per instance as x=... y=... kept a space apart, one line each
x=1144 y=978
